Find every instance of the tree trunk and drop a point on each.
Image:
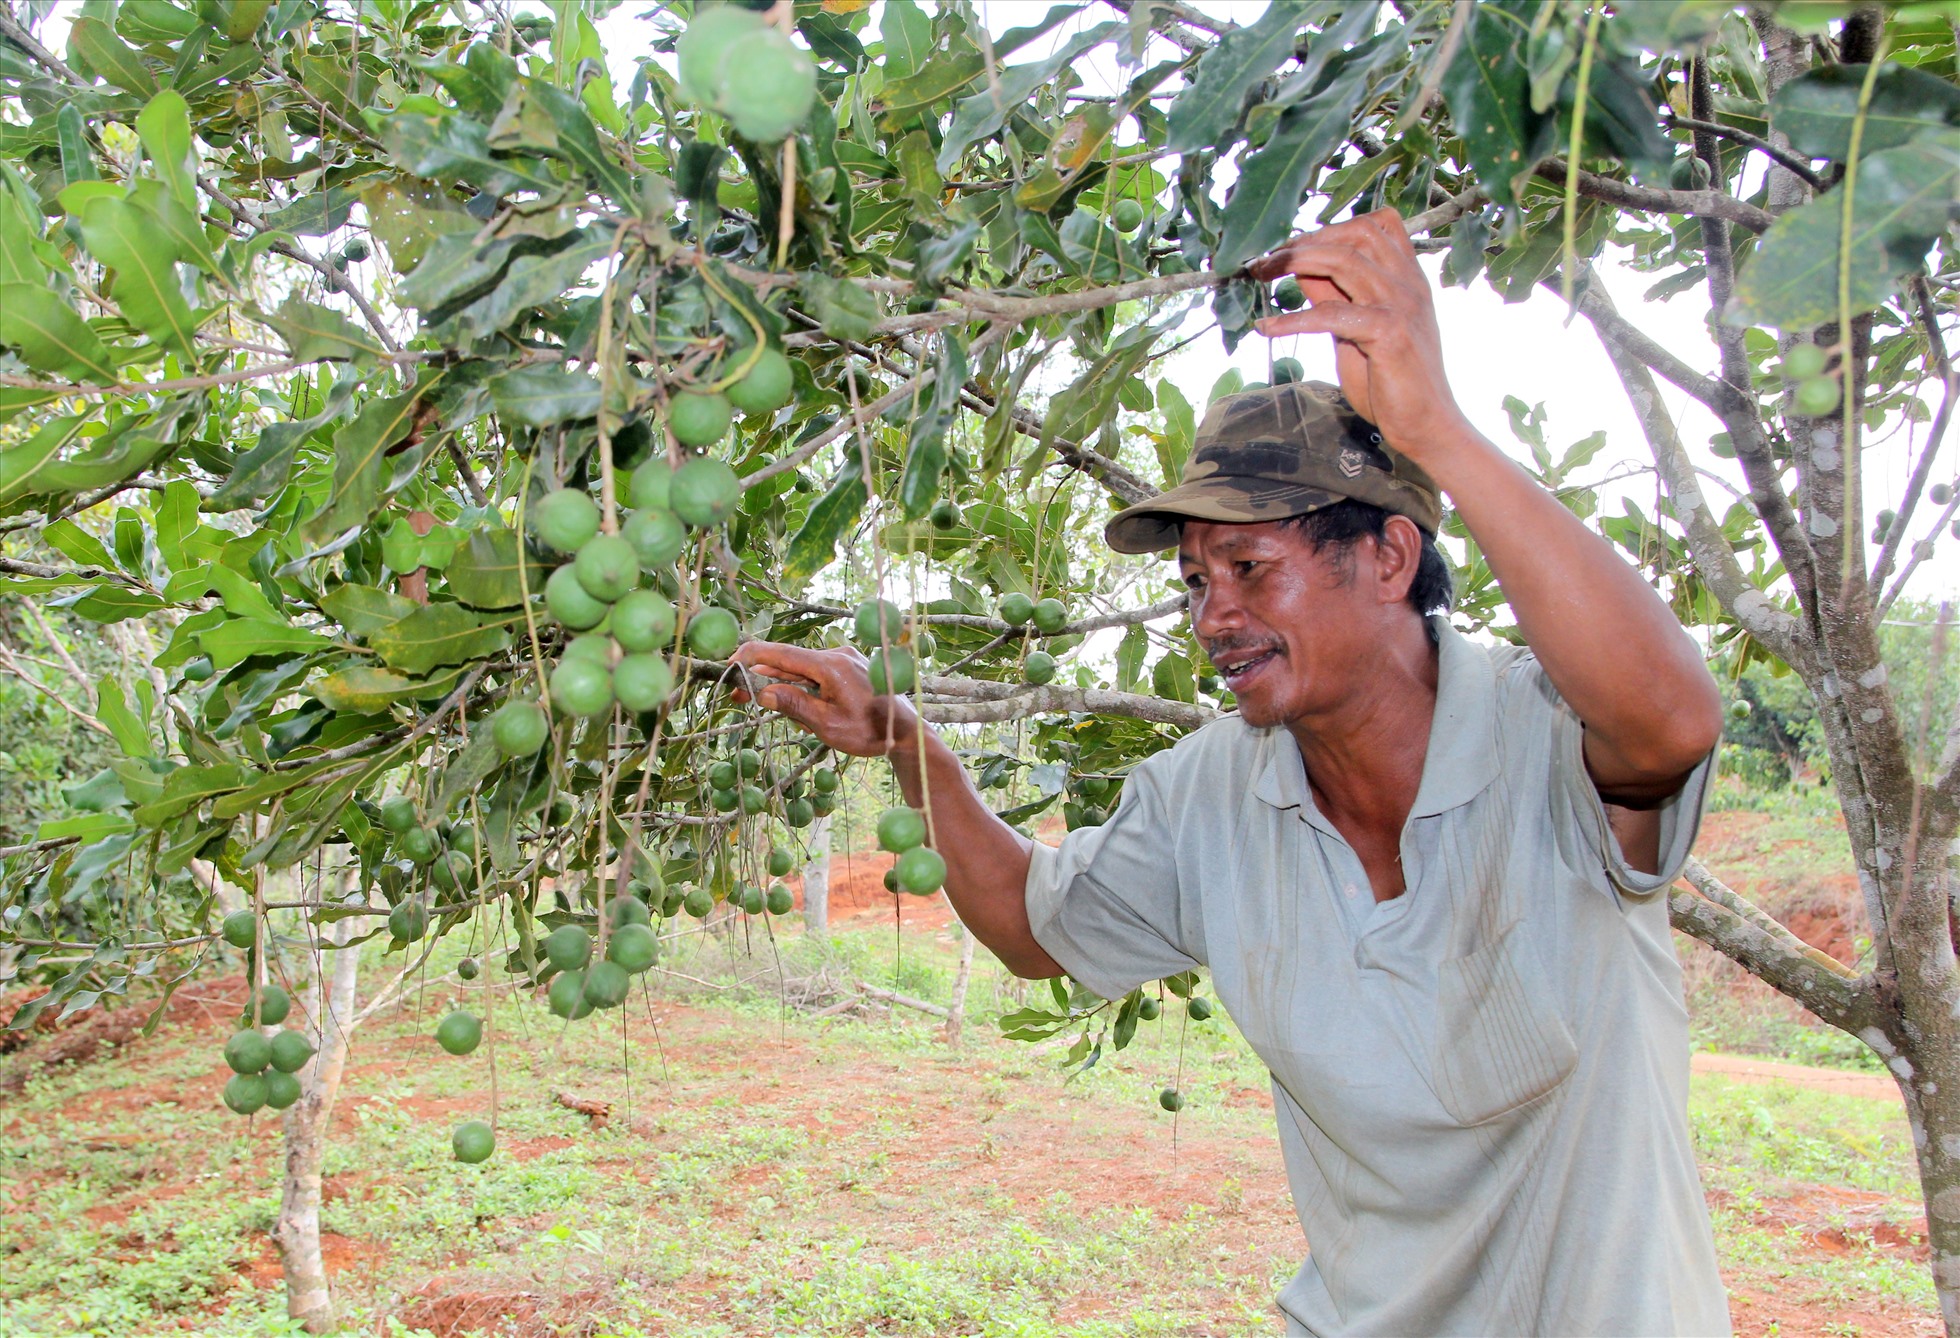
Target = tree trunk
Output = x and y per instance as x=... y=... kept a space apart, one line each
x=330 y=1012
x=816 y=881
x=956 y=1008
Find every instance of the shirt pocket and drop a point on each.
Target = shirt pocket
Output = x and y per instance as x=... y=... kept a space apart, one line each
x=1500 y=1040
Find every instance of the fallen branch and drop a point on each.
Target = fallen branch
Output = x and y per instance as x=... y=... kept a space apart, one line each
x=594 y=1110
x=902 y=1000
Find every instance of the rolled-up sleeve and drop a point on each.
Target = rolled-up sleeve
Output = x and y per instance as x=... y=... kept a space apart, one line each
x=1535 y=710
x=1106 y=903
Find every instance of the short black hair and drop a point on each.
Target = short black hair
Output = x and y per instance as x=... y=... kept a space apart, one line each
x=1343 y=525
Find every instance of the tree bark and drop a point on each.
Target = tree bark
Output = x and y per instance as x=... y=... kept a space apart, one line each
x=816 y=881
x=330 y=1013
x=956 y=1009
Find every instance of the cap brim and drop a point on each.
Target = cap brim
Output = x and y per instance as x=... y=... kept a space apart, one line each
x=1152 y=526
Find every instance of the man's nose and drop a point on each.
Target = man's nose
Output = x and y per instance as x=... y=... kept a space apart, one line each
x=1215 y=610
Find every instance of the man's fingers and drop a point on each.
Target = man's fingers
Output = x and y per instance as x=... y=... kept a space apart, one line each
x=804 y=708
x=1343 y=320
x=1380 y=235
x=778 y=660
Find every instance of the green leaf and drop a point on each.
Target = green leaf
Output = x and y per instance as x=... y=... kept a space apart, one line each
x=534 y=281
x=72 y=541
x=187 y=787
x=18 y=234
x=155 y=21
x=121 y=452
x=365 y=690
x=844 y=310
x=265 y=468
x=1488 y=89
x=360 y=462
x=108 y=603
x=814 y=544
x=110 y=57
x=484 y=571
x=363 y=610
x=164 y=126
x=315 y=333
x=77 y=157
x=1209 y=106
x=1180 y=431
x=1903 y=198
x=238 y=639
x=446 y=145
x=1032 y=1024
x=407 y=214
x=1079 y=410
x=925 y=457
x=940 y=78
x=438 y=634
x=241 y=596
x=1817 y=109
x=1259 y=216
x=983 y=114
x=51 y=337
x=131 y=241
x=467 y=769
x=1129 y=658
x=317 y=214
x=125 y=726
x=541 y=396
x=906 y=31
x=1171 y=678
x=175 y=520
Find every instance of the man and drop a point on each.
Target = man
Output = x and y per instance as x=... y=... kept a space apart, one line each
x=1428 y=877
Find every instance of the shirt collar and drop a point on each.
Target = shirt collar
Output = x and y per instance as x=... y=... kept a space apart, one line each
x=1461 y=758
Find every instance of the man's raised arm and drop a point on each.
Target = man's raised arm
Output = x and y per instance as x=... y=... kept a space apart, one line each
x=986 y=860
x=1608 y=643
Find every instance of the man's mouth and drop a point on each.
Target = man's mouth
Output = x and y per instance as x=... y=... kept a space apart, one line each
x=1239 y=667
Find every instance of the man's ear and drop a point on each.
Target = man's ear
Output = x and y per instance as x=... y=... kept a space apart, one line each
x=1397 y=555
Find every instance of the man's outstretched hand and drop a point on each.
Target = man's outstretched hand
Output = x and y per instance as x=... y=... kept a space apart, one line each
x=838 y=705
x=1364 y=287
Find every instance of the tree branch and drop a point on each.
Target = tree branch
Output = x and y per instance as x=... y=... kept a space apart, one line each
x=1728 y=923
x=1007 y=630
x=1921 y=471
x=1782 y=157
x=1697 y=203
x=986 y=702
x=1777 y=630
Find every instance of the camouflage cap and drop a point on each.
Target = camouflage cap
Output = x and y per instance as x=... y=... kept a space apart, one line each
x=1283 y=451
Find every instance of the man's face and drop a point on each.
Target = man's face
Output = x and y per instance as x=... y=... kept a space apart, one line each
x=1288 y=628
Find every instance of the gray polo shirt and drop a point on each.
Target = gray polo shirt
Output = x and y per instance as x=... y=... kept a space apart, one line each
x=1481 y=1085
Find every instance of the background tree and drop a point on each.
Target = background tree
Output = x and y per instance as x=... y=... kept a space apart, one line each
x=320 y=317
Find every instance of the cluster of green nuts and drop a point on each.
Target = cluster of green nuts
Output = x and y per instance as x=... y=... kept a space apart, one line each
x=1088 y=802
x=919 y=868
x=1048 y=616
x=621 y=627
x=580 y=985
x=893 y=646
x=1815 y=389
x=443 y=853
x=744 y=780
x=262 y=1067
x=735 y=62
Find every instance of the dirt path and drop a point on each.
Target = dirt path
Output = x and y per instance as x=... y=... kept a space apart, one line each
x=1843 y=1081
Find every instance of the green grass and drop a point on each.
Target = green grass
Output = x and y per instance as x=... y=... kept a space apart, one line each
x=778 y=1174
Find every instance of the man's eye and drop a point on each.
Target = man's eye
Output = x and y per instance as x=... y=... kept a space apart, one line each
x=1245 y=567
x=1193 y=581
